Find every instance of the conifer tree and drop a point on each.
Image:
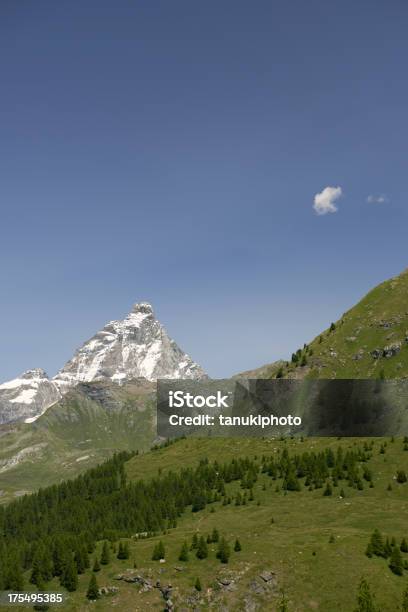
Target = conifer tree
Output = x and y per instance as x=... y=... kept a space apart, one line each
x=197 y=584
x=194 y=542
x=69 y=576
x=202 y=549
x=105 y=556
x=237 y=545
x=158 y=552
x=79 y=561
x=96 y=565
x=404 y=545
x=396 y=564
x=93 y=589
x=183 y=556
x=223 y=553
x=123 y=550
x=328 y=490
x=59 y=554
x=376 y=544
x=365 y=599
x=126 y=551
x=215 y=536
x=14 y=579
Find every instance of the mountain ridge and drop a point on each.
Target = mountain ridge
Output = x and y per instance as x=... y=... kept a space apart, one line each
x=370 y=340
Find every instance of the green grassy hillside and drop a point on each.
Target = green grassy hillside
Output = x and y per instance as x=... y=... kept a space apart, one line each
x=311 y=544
x=86 y=426
x=368 y=341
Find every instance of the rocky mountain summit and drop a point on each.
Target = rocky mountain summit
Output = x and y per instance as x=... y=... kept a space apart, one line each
x=135 y=347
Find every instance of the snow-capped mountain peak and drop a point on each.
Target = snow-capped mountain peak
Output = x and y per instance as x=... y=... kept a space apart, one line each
x=136 y=346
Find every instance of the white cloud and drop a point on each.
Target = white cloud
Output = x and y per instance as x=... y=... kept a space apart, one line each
x=377 y=199
x=324 y=202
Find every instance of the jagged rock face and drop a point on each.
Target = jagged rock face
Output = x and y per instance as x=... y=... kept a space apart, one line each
x=138 y=346
x=27 y=396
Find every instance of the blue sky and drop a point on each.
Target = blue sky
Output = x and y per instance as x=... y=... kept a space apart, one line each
x=171 y=152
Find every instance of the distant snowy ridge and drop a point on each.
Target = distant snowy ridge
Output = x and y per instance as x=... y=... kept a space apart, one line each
x=28 y=396
x=137 y=346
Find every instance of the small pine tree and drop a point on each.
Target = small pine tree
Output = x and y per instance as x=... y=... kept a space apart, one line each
x=404 y=545
x=197 y=585
x=93 y=589
x=194 y=542
x=69 y=576
x=328 y=490
x=332 y=539
x=120 y=551
x=396 y=564
x=237 y=545
x=158 y=552
x=215 y=536
x=96 y=565
x=377 y=544
x=223 y=552
x=183 y=556
x=105 y=556
x=123 y=550
x=332 y=327
x=401 y=476
x=202 y=549
x=365 y=600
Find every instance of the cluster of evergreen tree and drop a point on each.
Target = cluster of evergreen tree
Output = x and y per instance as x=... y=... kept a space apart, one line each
x=366 y=601
x=388 y=549
x=199 y=545
x=326 y=467
x=53 y=532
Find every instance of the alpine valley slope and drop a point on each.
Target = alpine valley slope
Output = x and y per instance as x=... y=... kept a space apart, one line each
x=89 y=424
x=137 y=346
